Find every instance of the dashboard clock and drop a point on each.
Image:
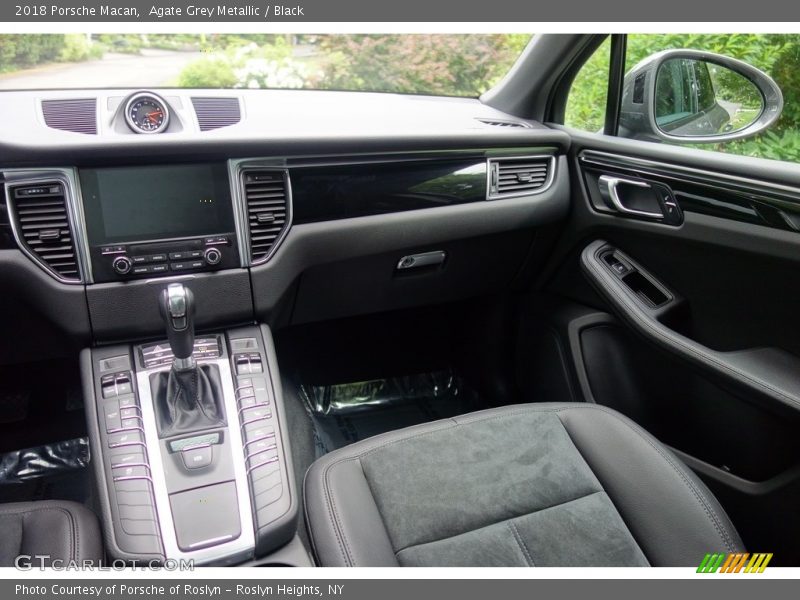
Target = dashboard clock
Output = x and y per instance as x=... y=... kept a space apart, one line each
x=146 y=113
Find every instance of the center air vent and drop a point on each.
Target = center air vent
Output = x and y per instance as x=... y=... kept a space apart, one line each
x=266 y=195
x=78 y=115
x=43 y=227
x=519 y=176
x=213 y=113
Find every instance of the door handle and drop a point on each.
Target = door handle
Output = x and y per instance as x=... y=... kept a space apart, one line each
x=609 y=186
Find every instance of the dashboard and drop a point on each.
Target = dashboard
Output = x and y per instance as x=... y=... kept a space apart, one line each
x=292 y=207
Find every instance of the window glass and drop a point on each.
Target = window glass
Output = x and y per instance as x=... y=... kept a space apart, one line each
x=777 y=55
x=436 y=64
x=586 y=103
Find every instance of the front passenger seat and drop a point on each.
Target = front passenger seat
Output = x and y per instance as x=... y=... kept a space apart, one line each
x=61 y=531
x=528 y=485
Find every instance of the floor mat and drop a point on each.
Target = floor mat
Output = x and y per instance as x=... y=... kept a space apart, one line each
x=40 y=403
x=349 y=412
x=58 y=471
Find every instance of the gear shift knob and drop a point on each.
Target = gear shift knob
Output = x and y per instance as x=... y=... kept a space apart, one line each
x=177 y=310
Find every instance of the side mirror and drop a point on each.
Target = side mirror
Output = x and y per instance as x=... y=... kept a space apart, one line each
x=690 y=96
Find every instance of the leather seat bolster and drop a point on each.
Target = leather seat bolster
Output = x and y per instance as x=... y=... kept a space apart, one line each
x=672 y=515
x=344 y=505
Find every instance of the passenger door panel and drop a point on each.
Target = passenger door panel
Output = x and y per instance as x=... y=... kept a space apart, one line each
x=703 y=346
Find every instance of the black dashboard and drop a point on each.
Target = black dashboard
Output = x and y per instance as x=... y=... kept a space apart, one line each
x=292 y=196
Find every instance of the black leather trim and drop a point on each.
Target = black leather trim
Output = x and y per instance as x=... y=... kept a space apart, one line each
x=688 y=524
x=769 y=372
x=61 y=530
x=670 y=512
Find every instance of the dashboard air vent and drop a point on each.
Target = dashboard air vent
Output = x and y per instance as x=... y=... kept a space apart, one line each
x=266 y=195
x=518 y=176
x=43 y=227
x=501 y=123
x=78 y=115
x=213 y=113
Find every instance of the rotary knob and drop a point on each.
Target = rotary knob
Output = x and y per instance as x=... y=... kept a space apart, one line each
x=213 y=256
x=122 y=265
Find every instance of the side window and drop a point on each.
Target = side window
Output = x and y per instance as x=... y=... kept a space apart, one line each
x=586 y=102
x=676 y=93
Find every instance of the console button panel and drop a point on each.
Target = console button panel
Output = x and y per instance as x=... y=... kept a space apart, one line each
x=120 y=262
x=263 y=452
x=125 y=457
x=138 y=478
x=159 y=355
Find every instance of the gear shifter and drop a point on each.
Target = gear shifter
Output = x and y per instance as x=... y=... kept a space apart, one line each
x=177 y=310
x=188 y=397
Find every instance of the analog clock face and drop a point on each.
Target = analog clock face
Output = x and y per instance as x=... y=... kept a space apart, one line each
x=147 y=114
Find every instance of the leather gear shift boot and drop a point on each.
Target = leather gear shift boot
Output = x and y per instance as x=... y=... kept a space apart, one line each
x=187 y=401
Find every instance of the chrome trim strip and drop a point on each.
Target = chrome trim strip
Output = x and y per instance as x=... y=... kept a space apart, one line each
x=239 y=214
x=82 y=235
x=704 y=176
x=133 y=478
x=272 y=447
x=121 y=429
x=236 y=170
x=551 y=174
x=271 y=461
x=127 y=444
x=236 y=550
x=255 y=420
x=67 y=177
x=367 y=158
x=211 y=541
x=125 y=465
x=195 y=446
x=269 y=436
x=244 y=408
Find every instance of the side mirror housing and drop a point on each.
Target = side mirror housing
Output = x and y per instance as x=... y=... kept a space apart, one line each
x=690 y=96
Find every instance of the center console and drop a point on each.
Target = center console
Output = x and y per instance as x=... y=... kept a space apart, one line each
x=189 y=440
x=188 y=433
x=193 y=445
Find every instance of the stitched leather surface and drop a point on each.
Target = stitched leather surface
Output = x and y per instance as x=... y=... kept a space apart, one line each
x=62 y=530
x=669 y=512
x=187 y=401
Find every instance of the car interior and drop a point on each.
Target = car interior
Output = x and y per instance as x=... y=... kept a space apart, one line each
x=327 y=328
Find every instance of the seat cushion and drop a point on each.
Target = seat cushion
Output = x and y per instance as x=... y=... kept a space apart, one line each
x=65 y=531
x=526 y=485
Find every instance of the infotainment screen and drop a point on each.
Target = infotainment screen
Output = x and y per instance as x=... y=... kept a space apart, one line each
x=131 y=204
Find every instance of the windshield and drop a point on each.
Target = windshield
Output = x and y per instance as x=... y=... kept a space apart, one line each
x=446 y=65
